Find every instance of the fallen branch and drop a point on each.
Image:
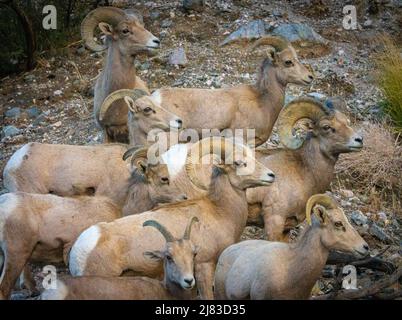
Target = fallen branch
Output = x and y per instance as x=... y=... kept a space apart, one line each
x=370 y=291
x=374 y=263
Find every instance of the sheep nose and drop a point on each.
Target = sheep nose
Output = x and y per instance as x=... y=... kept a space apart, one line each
x=156 y=41
x=359 y=140
x=366 y=247
x=189 y=281
x=271 y=175
x=179 y=122
x=310 y=76
x=184 y=197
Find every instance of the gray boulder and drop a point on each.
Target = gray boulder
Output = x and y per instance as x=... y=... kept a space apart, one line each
x=253 y=30
x=298 y=32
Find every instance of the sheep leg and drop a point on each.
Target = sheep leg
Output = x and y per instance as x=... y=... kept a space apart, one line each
x=205 y=279
x=14 y=264
x=274 y=227
x=28 y=280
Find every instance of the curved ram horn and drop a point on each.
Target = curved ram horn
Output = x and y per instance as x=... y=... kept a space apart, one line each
x=212 y=145
x=129 y=152
x=117 y=95
x=141 y=153
x=321 y=199
x=108 y=15
x=187 y=233
x=166 y=234
x=298 y=109
x=277 y=43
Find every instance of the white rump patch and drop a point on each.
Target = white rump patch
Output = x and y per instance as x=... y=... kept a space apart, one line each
x=175 y=158
x=60 y=293
x=13 y=165
x=8 y=204
x=81 y=249
x=157 y=97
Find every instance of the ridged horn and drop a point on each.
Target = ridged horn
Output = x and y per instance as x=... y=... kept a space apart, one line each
x=298 y=109
x=322 y=199
x=211 y=145
x=117 y=95
x=187 y=233
x=139 y=154
x=166 y=234
x=129 y=152
x=110 y=15
x=277 y=43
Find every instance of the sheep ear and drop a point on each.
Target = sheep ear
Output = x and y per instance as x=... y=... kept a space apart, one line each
x=131 y=104
x=154 y=255
x=272 y=55
x=142 y=166
x=321 y=213
x=106 y=28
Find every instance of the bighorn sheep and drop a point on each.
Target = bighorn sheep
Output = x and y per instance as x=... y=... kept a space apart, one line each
x=178 y=268
x=126 y=37
x=42 y=228
x=306 y=167
x=108 y=249
x=241 y=107
x=258 y=269
x=68 y=170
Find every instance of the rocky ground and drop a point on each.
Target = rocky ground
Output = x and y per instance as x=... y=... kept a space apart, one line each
x=54 y=102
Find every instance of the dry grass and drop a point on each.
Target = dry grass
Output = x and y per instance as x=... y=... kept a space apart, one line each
x=376 y=171
x=389 y=77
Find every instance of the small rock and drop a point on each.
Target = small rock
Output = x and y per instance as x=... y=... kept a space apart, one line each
x=58 y=93
x=254 y=29
x=358 y=218
x=166 y=23
x=379 y=233
x=368 y=23
x=346 y=193
x=317 y=96
x=57 y=124
x=145 y=66
x=40 y=119
x=382 y=216
x=9 y=131
x=29 y=78
x=14 y=113
x=33 y=112
x=196 y=5
x=178 y=57
x=154 y=15
x=81 y=50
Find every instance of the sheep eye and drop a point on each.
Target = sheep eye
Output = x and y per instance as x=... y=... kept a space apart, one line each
x=326 y=127
x=169 y=258
x=238 y=163
x=148 y=110
x=165 y=180
x=125 y=31
x=288 y=63
x=338 y=224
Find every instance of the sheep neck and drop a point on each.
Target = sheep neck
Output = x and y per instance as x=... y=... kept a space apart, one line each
x=308 y=254
x=119 y=68
x=175 y=290
x=230 y=202
x=319 y=165
x=138 y=199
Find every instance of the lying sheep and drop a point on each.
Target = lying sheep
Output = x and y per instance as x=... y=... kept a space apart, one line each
x=68 y=170
x=306 y=167
x=42 y=228
x=258 y=269
x=109 y=249
x=242 y=107
x=126 y=37
x=178 y=267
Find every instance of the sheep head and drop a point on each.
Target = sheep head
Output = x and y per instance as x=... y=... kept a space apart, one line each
x=324 y=122
x=336 y=231
x=156 y=176
x=126 y=28
x=284 y=58
x=234 y=159
x=142 y=109
x=178 y=255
